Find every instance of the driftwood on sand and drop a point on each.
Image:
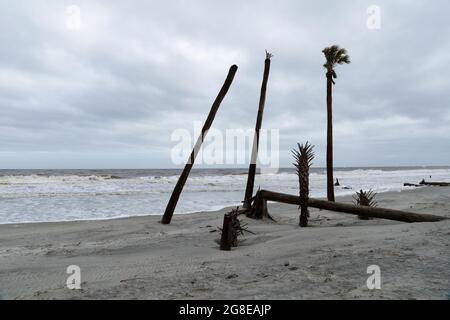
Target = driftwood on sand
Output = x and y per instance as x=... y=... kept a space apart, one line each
x=407 y=184
x=375 y=212
x=426 y=183
x=168 y=213
x=439 y=184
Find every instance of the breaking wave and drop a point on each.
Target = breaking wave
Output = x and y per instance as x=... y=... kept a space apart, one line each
x=61 y=196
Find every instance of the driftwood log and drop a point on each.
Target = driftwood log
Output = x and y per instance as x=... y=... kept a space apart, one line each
x=376 y=212
x=168 y=213
x=439 y=184
x=407 y=184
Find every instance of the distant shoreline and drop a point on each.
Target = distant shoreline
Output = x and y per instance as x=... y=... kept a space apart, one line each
x=227 y=168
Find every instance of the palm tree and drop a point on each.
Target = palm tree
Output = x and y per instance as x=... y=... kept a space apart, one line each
x=365 y=198
x=168 y=213
x=333 y=55
x=252 y=166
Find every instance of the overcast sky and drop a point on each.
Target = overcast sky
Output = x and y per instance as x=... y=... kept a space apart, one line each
x=110 y=93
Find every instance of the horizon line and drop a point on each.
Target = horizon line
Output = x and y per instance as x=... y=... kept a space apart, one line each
x=228 y=168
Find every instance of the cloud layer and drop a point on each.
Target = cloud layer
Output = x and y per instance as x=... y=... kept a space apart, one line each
x=110 y=93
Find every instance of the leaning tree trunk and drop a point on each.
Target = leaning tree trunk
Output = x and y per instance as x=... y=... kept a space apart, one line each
x=167 y=217
x=330 y=186
x=252 y=166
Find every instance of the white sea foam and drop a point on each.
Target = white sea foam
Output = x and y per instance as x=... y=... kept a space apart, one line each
x=35 y=197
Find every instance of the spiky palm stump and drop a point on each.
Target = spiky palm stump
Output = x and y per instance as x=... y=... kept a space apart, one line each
x=231 y=230
x=365 y=198
x=303 y=160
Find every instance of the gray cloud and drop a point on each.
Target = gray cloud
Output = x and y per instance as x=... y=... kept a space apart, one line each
x=111 y=93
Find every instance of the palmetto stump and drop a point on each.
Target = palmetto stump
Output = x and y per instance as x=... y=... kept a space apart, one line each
x=366 y=199
x=232 y=229
x=303 y=160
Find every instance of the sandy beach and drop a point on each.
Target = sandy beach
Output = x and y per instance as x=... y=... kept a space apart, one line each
x=139 y=258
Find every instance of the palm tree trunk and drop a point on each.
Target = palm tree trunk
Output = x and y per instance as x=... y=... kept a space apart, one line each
x=252 y=166
x=330 y=186
x=167 y=217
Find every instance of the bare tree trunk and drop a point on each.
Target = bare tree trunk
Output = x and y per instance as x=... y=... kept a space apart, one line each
x=375 y=212
x=168 y=213
x=330 y=186
x=252 y=166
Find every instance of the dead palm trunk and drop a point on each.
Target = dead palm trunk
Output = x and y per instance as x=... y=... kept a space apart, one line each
x=167 y=217
x=330 y=185
x=252 y=166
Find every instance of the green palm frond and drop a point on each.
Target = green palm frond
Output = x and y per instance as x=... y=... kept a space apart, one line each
x=303 y=156
x=303 y=161
x=365 y=198
x=334 y=55
x=343 y=59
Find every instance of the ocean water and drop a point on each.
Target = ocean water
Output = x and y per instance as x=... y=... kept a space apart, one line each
x=65 y=195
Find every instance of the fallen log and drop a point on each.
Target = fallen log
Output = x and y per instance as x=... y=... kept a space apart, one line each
x=375 y=212
x=407 y=184
x=439 y=184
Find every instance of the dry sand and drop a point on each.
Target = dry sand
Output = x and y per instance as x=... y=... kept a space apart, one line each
x=138 y=258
